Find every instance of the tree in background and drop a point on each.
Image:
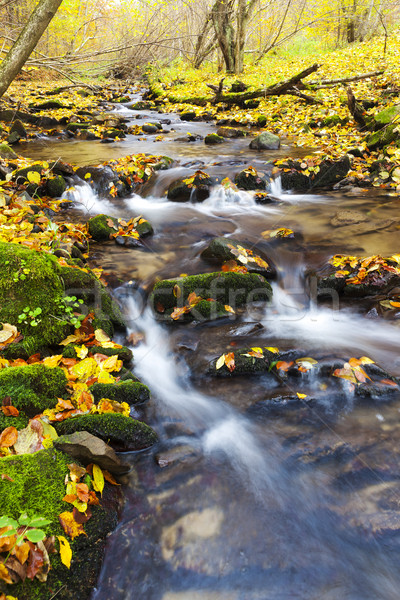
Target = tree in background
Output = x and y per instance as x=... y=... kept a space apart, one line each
x=26 y=42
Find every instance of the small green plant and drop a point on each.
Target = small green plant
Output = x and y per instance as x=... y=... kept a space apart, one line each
x=24 y=527
x=22 y=273
x=29 y=316
x=67 y=307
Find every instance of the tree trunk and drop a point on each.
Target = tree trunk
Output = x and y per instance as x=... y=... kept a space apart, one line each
x=221 y=17
x=26 y=42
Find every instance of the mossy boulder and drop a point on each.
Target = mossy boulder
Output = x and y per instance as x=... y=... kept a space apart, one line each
x=231 y=132
x=56 y=186
x=151 y=127
x=245 y=364
x=32 y=279
x=222 y=249
x=19 y=422
x=32 y=388
x=102 y=227
x=330 y=173
x=37 y=487
x=122 y=433
x=195 y=188
x=249 y=179
x=131 y=392
x=141 y=105
x=85 y=286
x=386 y=116
x=213 y=139
x=265 y=141
x=123 y=353
x=188 y=115
x=383 y=137
x=7 y=152
x=233 y=289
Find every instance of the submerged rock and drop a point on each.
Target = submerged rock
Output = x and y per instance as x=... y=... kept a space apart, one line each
x=329 y=173
x=213 y=138
x=231 y=132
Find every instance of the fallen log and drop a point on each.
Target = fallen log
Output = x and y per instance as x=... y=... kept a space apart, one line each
x=329 y=83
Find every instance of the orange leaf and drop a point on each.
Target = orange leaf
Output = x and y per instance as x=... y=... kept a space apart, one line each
x=8 y=437
x=71 y=498
x=388 y=382
x=22 y=552
x=108 y=477
x=82 y=492
x=10 y=411
x=282 y=365
x=395 y=304
x=4 y=574
x=230 y=361
x=178 y=312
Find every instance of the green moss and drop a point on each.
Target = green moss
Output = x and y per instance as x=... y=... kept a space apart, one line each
x=99 y=229
x=123 y=433
x=18 y=422
x=37 y=487
x=123 y=353
x=33 y=388
x=386 y=116
x=131 y=392
x=144 y=228
x=383 y=137
x=56 y=186
x=88 y=288
x=234 y=289
x=7 y=152
x=30 y=278
x=213 y=138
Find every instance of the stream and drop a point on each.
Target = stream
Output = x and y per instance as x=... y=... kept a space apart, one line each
x=242 y=499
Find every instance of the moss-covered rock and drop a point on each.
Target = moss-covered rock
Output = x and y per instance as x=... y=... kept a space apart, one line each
x=123 y=353
x=32 y=279
x=122 y=433
x=386 y=116
x=85 y=286
x=213 y=138
x=265 y=141
x=196 y=188
x=234 y=289
x=222 y=249
x=132 y=392
x=100 y=229
x=383 y=137
x=7 y=152
x=245 y=364
x=56 y=186
x=33 y=388
x=18 y=422
x=249 y=179
x=37 y=487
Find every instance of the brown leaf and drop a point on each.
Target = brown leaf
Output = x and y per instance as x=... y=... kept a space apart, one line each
x=4 y=476
x=17 y=569
x=8 y=437
x=35 y=562
x=108 y=477
x=82 y=491
x=82 y=517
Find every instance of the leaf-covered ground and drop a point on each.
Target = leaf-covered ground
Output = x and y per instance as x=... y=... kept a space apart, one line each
x=306 y=125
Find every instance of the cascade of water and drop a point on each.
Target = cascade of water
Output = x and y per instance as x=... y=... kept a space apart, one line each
x=87 y=200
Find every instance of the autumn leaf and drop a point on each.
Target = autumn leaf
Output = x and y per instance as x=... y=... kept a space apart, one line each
x=10 y=411
x=301 y=396
x=33 y=177
x=4 y=574
x=65 y=551
x=8 y=437
x=230 y=361
x=220 y=362
x=98 y=479
x=282 y=365
x=70 y=526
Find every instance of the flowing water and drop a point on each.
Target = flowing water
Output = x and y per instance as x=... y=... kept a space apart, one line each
x=238 y=501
